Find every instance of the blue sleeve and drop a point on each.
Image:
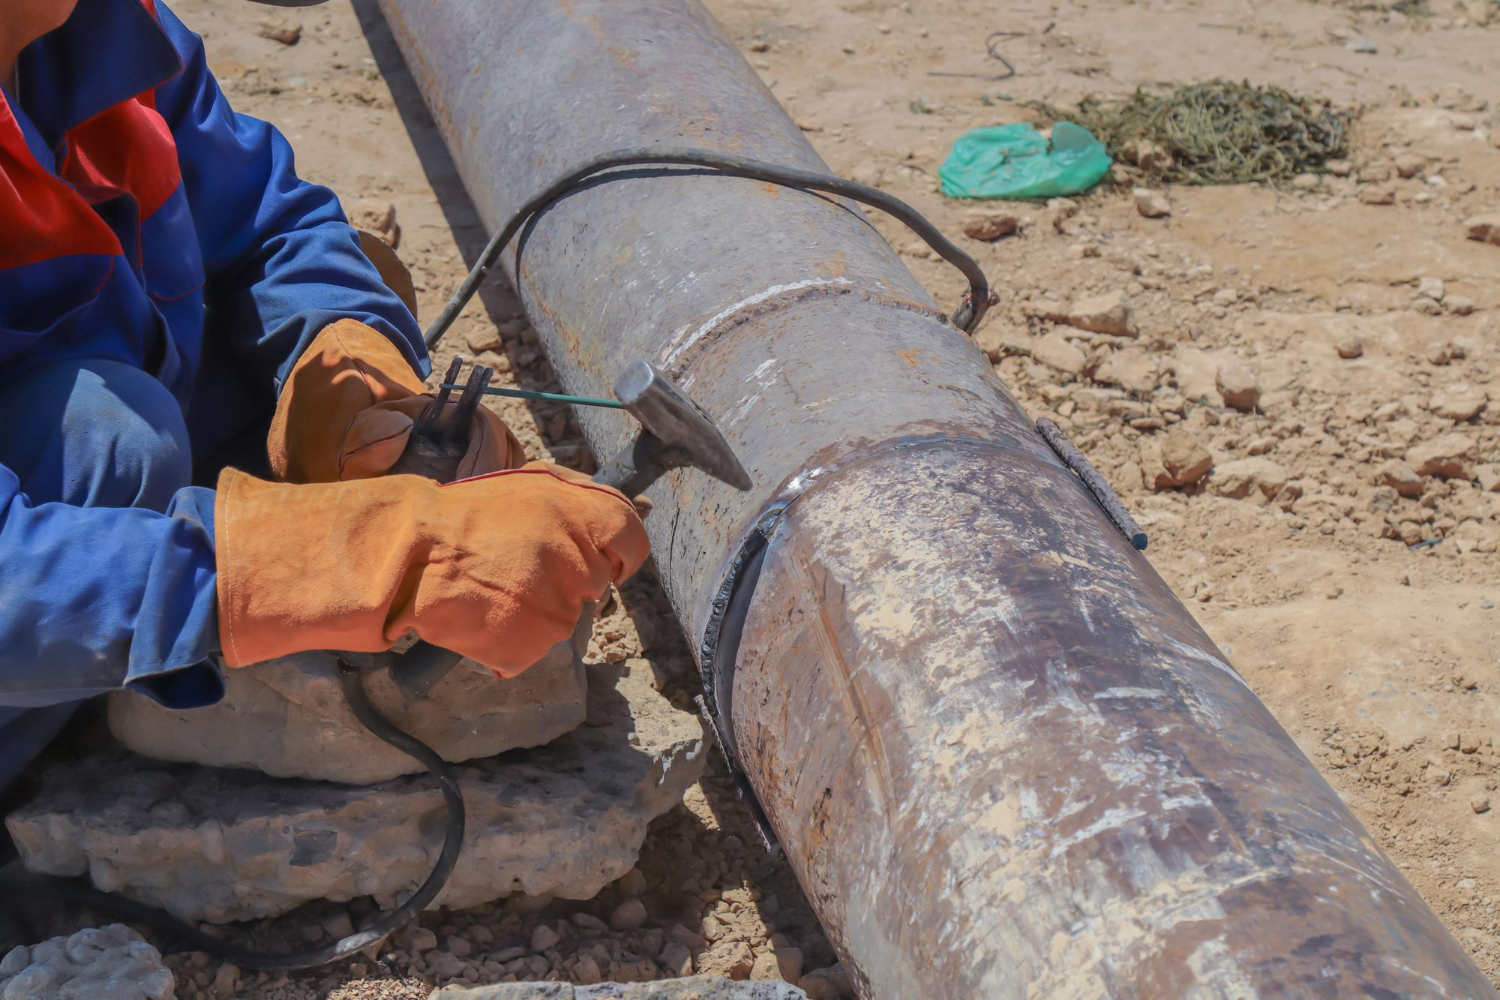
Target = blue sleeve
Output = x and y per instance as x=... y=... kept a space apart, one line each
x=93 y=599
x=282 y=261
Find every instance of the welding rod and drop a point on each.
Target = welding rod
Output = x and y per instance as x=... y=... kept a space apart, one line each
x=545 y=397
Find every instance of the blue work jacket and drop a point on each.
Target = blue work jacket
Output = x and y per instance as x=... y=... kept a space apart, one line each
x=133 y=202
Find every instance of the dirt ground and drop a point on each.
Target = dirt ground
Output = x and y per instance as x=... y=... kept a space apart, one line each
x=1356 y=595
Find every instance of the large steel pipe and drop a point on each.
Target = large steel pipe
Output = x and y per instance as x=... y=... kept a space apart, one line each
x=1001 y=756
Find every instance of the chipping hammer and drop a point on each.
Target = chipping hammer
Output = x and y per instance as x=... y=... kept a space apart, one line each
x=675 y=434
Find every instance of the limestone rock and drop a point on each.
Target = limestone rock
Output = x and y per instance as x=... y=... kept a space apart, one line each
x=96 y=963
x=1349 y=347
x=988 y=224
x=1152 y=204
x=567 y=818
x=1484 y=228
x=285 y=32
x=377 y=217
x=1108 y=313
x=1409 y=165
x=1054 y=351
x=1184 y=460
x=1247 y=477
x=1400 y=477
x=832 y=983
x=692 y=988
x=997 y=340
x=1131 y=369
x=1446 y=457
x=288 y=717
x=1237 y=385
x=1458 y=402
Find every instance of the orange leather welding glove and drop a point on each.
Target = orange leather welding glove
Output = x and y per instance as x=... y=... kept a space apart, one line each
x=497 y=568
x=348 y=407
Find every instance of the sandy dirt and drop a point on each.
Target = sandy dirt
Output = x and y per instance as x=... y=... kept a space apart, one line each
x=1357 y=597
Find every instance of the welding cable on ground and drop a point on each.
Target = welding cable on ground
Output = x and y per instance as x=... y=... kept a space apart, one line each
x=966 y=317
x=19 y=888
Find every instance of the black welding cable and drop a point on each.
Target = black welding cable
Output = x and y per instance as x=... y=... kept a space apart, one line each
x=966 y=317
x=20 y=888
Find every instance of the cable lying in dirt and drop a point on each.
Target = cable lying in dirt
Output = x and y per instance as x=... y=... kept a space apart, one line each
x=1216 y=132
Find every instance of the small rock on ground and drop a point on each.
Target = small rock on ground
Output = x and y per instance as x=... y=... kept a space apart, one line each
x=692 y=988
x=1108 y=313
x=1484 y=228
x=988 y=224
x=1152 y=204
x=96 y=963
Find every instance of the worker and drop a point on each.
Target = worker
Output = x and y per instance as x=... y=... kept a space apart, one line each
x=169 y=291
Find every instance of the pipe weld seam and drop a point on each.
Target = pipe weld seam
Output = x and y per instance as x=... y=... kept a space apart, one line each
x=685 y=347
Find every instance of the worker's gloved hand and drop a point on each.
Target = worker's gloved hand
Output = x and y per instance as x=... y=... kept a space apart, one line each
x=348 y=407
x=496 y=568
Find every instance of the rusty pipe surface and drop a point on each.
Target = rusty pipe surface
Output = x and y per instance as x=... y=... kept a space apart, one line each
x=1001 y=756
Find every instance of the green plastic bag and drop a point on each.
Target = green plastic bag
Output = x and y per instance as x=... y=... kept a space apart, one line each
x=1013 y=161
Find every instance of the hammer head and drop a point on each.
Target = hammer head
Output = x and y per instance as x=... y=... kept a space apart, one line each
x=685 y=435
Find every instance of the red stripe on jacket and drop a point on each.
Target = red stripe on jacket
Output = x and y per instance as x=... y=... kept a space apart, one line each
x=127 y=149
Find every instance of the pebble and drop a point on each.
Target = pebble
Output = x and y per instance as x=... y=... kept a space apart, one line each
x=760 y=45
x=628 y=916
x=586 y=971
x=1444 y=352
x=632 y=883
x=1480 y=803
x=789 y=961
x=227 y=978
x=1054 y=351
x=1458 y=402
x=989 y=225
x=1446 y=457
x=1151 y=203
x=1484 y=228
x=1400 y=477
x=338 y=924
x=1108 y=313
x=1409 y=165
x=687 y=938
x=765 y=967
x=543 y=937
x=676 y=959
x=1184 y=460
x=1349 y=346
x=1378 y=194
x=280 y=31
x=422 y=939
x=460 y=946
x=1237 y=385
x=589 y=924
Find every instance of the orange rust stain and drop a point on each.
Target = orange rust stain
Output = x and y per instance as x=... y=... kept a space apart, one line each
x=771 y=189
x=834 y=267
x=910 y=355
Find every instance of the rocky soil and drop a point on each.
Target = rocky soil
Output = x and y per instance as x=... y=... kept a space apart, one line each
x=1296 y=389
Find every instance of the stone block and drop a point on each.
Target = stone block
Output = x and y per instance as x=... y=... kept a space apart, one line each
x=288 y=717
x=214 y=844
